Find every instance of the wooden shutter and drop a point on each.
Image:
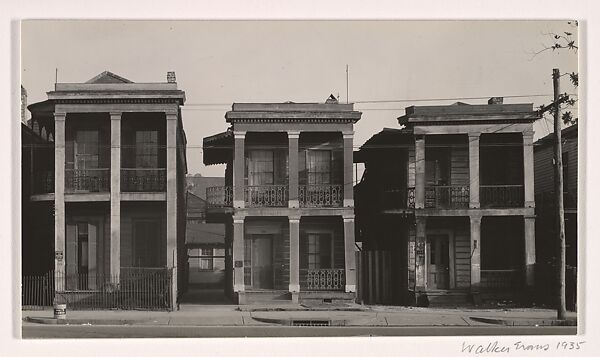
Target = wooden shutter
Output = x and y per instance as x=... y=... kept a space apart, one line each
x=92 y=266
x=71 y=257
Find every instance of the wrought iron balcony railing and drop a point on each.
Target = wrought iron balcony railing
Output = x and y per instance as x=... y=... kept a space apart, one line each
x=43 y=182
x=143 y=180
x=266 y=196
x=88 y=180
x=321 y=195
x=219 y=196
x=447 y=197
x=394 y=198
x=326 y=279
x=501 y=196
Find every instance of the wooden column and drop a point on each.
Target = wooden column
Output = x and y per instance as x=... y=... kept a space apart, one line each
x=115 y=198
x=238 y=258
x=293 y=137
x=349 y=255
x=59 y=200
x=420 y=243
x=172 y=122
x=528 y=179
x=420 y=171
x=294 y=286
x=475 y=253
x=348 y=166
x=529 y=225
x=239 y=166
x=474 y=170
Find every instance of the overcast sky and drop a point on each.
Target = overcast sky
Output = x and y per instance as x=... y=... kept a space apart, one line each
x=218 y=63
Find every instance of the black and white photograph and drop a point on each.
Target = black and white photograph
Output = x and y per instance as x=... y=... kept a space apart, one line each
x=302 y=178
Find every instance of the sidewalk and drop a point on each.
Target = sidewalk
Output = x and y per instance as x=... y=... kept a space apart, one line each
x=287 y=315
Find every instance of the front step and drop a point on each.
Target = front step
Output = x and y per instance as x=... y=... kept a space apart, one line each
x=265 y=296
x=448 y=298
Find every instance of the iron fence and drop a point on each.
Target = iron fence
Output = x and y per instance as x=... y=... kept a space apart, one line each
x=266 y=196
x=501 y=195
x=325 y=279
x=321 y=195
x=143 y=180
x=501 y=278
x=88 y=180
x=447 y=197
x=135 y=288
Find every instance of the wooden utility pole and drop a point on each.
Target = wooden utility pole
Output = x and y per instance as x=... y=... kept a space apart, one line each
x=558 y=189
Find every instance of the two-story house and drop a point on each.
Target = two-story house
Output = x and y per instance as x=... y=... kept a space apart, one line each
x=287 y=201
x=445 y=207
x=545 y=205
x=117 y=185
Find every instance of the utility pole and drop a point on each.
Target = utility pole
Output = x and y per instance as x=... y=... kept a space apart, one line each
x=558 y=189
x=347 y=91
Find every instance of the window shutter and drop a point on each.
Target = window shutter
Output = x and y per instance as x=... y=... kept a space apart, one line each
x=92 y=242
x=71 y=257
x=302 y=172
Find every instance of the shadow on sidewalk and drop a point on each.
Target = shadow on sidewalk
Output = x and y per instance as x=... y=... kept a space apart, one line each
x=198 y=295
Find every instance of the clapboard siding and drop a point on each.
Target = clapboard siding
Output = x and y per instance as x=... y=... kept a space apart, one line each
x=462 y=256
x=544 y=168
x=459 y=166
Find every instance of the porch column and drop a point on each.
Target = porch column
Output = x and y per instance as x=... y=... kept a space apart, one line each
x=420 y=171
x=238 y=257
x=294 y=287
x=172 y=119
x=115 y=198
x=529 y=251
x=476 y=253
x=474 y=170
x=349 y=254
x=59 y=200
x=238 y=169
x=528 y=169
x=348 y=166
x=420 y=243
x=293 y=137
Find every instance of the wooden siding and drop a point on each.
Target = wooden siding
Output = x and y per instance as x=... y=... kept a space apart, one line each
x=544 y=168
x=462 y=257
x=459 y=166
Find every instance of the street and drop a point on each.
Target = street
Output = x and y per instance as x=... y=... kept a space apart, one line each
x=88 y=331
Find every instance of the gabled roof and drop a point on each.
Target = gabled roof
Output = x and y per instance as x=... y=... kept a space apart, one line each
x=108 y=77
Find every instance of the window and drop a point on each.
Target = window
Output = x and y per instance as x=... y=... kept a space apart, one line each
x=146 y=241
x=146 y=149
x=86 y=149
x=318 y=165
x=260 y=168
x=320 y=251
x=206 y=263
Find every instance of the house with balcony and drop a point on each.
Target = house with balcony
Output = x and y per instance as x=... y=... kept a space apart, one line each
x=545 y=205
x=117 y=184
x=445 y=207
x=287 y=201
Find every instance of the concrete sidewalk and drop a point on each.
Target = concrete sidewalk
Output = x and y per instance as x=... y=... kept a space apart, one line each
x=286 y=315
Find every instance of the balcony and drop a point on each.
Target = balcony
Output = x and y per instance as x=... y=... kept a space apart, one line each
x=43 y=182
x=219 y=196
x=447 y=197
x=321 y=195
x=143 y=180
x=87 y=180
x=501 y=196
x=325 y=279
x=266 y=196
x=397 y=198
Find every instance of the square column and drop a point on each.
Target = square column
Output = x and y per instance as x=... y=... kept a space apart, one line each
x=420 y=171
x=349 y=255
x=528 y=169
x=59 y=200
x=476 y=253
x=294 y=287
x=239 y=166
x=474 y=170
x=115 y=198
x=238 y=258
x=348 y=166
x=172 y=119
x=420 y=243
x=529 y=251
x=293 y=137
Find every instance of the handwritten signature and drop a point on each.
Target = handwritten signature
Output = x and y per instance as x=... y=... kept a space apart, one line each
x=497 y=347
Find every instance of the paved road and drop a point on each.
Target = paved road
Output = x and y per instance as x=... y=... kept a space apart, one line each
x=54 y=331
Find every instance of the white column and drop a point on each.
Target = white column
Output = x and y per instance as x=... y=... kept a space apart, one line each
x=420 y=172
x=294 y=286
x=239 y=167
x=293 y=137
x=172 y=122
x=476 y=253
x=528 y=169
x=59 y=199
x=529 y=250
x=474 y=170
x=420 y=243
x=238 y=257
x=115 y=197
x=350 y=257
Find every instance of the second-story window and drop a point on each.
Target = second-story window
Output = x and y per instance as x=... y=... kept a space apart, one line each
x=146 y=149
x=260 y=168
x=318 y=164
x=86 y=149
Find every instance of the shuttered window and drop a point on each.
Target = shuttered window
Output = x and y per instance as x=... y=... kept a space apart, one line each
x=318 y=164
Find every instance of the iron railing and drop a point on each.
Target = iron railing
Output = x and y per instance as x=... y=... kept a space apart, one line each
x=88 y=180
x=143 y=180
x=501 y=195
x=43 y=182
x=266 y=196
x=326 y=279
x=501 y=278
x=447 y=197
x=135 y=288
x=397 y=198
x=321 y=195
x=219 y=196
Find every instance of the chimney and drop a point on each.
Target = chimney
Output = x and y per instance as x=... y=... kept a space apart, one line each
x=495 y=100
x=171 y=77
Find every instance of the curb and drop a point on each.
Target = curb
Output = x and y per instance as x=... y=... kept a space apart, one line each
x=525 y=322
x=53 y=321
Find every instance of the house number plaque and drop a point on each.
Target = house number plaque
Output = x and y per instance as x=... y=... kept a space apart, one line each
x=239 y=264
x=58 y=255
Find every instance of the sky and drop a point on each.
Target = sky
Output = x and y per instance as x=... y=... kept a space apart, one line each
x=218 y=63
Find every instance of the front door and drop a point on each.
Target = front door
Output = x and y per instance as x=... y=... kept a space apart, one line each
x=259 y=248
x=438 y=266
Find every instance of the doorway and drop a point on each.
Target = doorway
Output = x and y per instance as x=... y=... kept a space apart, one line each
x=258 y=256
x=438 y=261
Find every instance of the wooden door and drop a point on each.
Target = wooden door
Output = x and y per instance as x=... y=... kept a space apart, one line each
x=262 y=261
x=438 y=267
